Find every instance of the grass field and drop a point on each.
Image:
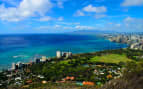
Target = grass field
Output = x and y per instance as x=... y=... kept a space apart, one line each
x=110 y=58
x=64 y=61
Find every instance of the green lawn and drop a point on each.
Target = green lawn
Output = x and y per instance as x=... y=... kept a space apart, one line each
x=110 y=58
x=64 y=61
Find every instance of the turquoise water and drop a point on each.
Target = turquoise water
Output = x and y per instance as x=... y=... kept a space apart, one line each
x=24 y=48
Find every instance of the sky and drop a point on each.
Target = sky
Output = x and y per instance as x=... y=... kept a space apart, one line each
x=57 y=16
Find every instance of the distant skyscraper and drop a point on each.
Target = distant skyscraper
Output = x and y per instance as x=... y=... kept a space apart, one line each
x=69 y=54
x=13 y=66
x=66 y=54
x=58 y=54
x=44 y=58
x=19 y=64
x=37 y=60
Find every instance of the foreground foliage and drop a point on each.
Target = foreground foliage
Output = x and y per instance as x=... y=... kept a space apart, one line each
x=132 y=79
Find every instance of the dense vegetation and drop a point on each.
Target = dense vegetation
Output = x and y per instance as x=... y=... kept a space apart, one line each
x=2 y=77
x=77 y=65
x=59 y=70
x=132 y=78
x=82 y=67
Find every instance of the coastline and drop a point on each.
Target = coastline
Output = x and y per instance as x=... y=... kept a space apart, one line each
x=109 y=47
x=134 y=41
x=74 y=54
x=113 y=61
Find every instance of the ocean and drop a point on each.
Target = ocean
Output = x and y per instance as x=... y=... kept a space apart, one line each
x=23 y=48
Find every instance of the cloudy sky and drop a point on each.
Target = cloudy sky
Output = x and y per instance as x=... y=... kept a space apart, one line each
x=53 y=16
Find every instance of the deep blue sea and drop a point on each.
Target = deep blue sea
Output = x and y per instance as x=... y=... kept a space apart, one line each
x=24 y=48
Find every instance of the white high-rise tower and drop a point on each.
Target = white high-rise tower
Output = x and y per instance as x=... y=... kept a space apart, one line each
x=58 y=54
x=13 y=66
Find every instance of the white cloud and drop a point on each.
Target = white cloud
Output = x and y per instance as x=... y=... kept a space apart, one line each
x=128 y=24
x=26 y=8
x=68 y=28
x=68 y=23
x=79 y=13
x=46 y=18
x=43 y=27
x=118 y=25
x=60 y=19
x=98 y=16
x=132 y=3
x=134 y=24
x=91 y=8
x=99 y=12
x=79 y=27
x=60 y=4
x=128 y=19
x=57 y=26
x=61 y=27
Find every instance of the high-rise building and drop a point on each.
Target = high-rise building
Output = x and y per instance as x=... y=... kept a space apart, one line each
x=20 y=65
x=58 y=54
x=43 y=59
x=69 y=54
x=13 y=66
x=37 y=60
x=66 y=54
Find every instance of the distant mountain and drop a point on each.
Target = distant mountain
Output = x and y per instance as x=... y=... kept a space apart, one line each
x=91 y=32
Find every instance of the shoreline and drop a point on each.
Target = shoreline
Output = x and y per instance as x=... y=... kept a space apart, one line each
x=110 y=60
x=109 y=48
x=134 y=41
x=74 y=54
